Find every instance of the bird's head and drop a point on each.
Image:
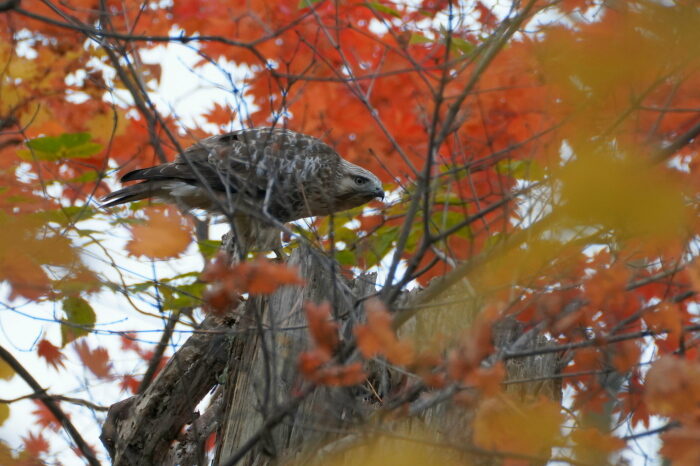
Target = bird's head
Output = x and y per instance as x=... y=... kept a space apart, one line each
x=356 y=186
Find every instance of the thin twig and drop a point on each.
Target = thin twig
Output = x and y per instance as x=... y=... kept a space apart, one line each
x=158 y=353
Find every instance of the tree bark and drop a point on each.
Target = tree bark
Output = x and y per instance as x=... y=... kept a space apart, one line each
x=140 y=429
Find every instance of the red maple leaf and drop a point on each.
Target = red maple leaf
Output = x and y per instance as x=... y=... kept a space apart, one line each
x=45 y=418
x=52 y=354
x=35 y=444
x=130 y=383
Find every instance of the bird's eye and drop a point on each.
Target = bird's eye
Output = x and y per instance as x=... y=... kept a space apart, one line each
x=360 y=180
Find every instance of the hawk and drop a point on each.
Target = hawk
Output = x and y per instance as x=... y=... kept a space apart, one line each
x=258 y=178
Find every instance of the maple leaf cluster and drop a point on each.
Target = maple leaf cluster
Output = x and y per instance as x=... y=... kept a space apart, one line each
x=378 y=338
x=229 y=282
x=317 y=364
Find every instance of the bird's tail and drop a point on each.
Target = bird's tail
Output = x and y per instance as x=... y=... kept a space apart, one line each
x=136 y=192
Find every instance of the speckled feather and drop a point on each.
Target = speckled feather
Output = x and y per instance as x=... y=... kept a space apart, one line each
x=255 y=173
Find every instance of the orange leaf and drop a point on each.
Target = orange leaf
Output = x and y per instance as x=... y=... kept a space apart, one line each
x=626 y=355
x=633 y=403
x=220 y=300
x=673 y=386
x=367 y=341
x=220 y=115
x=52 y=354
x=96 y=360
x=666 y=317
x=311 y=361
x=264 y=277
x=378 y=337
x=341 y=376
x=258 y=277
x=488 y=379
x=321 y=326
x=585 y=359
x=162 y=237
x=682 y=445
x=400 y=353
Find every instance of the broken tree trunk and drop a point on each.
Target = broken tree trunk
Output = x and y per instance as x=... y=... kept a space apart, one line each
x=270 y=414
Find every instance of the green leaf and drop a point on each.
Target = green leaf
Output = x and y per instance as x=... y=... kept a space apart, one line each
x=18 y=199
x=494 y=239
x=461 y=45
x=382 y=243
x=384 y=9
x=306 y=3
x=83 y=233
x=208 y=248
x=345 y=235
x=457 y=44
x=65 y=146
x=80 y=319
x=86 y=177
x=442 y=221
x=346 y=257
x=450 y=199
x=419 y=39
x=67 y=215
x=520 y=169
x=183 y=296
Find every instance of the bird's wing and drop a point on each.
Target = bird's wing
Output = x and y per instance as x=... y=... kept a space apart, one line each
x=256 y=156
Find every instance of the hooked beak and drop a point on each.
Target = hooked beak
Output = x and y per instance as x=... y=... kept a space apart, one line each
x=379 y=193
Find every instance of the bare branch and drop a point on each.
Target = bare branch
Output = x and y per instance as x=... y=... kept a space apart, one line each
x=52 y=406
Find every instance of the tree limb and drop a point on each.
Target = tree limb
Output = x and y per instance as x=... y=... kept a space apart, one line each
x=52 y=406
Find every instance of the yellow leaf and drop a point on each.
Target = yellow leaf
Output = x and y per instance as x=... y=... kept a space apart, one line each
x=413 y=448
x=22 y=68
x=4 y=412
x=6 y=372
x=103 y=127
x=162 y=237
x=621 y=192
x=506 y=424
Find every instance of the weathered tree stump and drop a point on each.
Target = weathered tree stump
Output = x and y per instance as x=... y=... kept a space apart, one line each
x=270 y=414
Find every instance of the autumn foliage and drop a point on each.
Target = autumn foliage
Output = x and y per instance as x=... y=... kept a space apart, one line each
x=542 y=165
